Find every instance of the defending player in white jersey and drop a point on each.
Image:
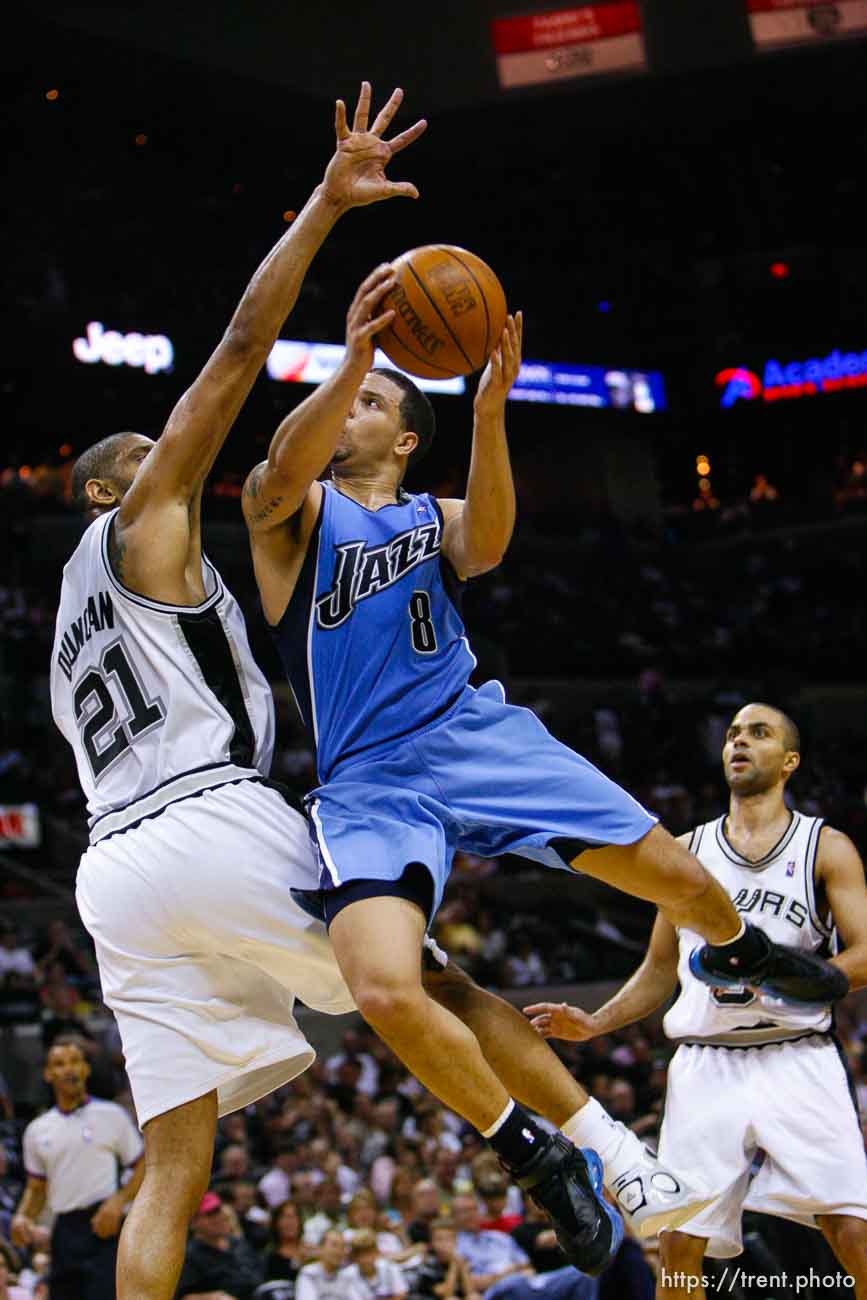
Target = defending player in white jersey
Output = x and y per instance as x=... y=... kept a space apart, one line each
x=753 y=1076
x=186 y=885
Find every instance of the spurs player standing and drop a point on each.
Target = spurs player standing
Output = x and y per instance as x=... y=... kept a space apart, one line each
x=753 y=1075
x=185 y=886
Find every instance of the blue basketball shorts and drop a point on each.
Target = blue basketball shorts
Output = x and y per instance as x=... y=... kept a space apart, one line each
x=487 y=779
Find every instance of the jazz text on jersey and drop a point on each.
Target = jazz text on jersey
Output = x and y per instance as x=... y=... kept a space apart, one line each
x=363 y=571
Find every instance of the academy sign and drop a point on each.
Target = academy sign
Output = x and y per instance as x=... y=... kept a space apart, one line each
x=781 y=381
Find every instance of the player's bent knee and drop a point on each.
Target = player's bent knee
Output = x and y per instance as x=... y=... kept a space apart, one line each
x=390 y=1008
x=680 y=1251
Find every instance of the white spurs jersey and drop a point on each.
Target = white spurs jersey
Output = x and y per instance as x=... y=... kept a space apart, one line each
x=158 y=702
x=777 y=894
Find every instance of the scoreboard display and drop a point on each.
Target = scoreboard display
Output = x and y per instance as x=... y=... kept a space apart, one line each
x=559 y=44
x=776 y=24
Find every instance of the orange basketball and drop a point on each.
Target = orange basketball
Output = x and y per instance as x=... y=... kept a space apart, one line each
x=450 y=308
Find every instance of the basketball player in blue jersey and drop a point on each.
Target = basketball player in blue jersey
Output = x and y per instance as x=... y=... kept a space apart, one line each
x=360 y=582
x=770 y=1076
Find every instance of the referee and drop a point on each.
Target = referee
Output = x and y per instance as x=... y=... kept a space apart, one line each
x=72 y=1155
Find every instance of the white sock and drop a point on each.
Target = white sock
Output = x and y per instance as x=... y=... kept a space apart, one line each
x=618 y=1147
x=498 y=1123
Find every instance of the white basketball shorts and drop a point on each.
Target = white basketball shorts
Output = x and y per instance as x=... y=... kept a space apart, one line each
x=791 y=1102
x=202 y=951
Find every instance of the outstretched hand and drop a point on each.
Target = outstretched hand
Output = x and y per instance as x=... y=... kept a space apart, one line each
x=356 y=174
x=557 y=1020
x=502 y=369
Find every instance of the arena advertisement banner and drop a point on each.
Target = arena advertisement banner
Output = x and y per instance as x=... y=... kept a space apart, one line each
x=19 y=826
x=151 y=353
x=559 y=44
x=779 y=23
x=291 y=361
x=786 y=381
x=595 y=386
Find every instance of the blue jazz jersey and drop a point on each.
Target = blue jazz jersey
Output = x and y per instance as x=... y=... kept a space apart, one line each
x=372 y=640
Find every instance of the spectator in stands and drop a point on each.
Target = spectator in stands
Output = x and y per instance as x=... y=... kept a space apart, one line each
x=594 y=1060
x=457 y=933
x=344 y=1087
x=524 y=967
x=253 y=1220
x=370 y=1277
x=443 y=1274
x=58 y=946
x=354 y=1049
x=231 y=1129
x=62 y=1004
x=323 y=1280
x=10 y=1192
x=16 y=961
x=630 y=1272
x=492 y=948
x=427 y=1205
x=275 y=1185
x=399 y=1207
x=384 y=1127
x=485 y=1169
x=445 y=1165
x=286 y=1253
x=491 y=1256
x=215 y=1259
x=304 y=1193
x=34 y=1279
x=10 y=1290
x=621 y=1100
x=329 y=1213
x=234 y=1162
x=362 y=1216
x=493 y=1190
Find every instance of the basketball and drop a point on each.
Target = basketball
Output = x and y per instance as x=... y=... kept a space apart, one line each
x=450 y=312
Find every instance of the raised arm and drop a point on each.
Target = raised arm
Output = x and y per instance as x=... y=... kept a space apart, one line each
x=652 y=983
x=478 y=529
x=840 y=873
x=173 y=472
x=306 y=439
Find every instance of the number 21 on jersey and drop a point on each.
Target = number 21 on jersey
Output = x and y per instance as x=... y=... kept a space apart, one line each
x=96 y=711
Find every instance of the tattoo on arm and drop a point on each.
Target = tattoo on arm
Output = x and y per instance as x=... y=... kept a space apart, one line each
x=254 y=481
x=252 y=489
x=116 y=551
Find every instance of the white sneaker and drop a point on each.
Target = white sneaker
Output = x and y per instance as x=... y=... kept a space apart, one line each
x=651 y=1197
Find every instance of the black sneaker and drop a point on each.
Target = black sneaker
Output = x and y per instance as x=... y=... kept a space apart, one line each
x=567 y=1184
x=797 y=977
